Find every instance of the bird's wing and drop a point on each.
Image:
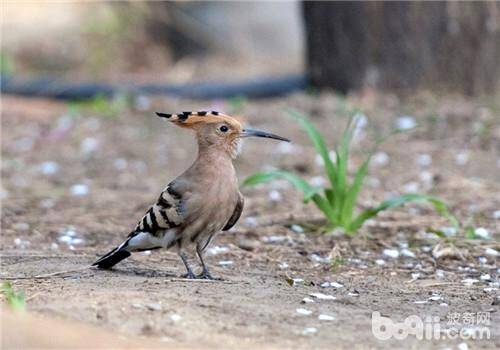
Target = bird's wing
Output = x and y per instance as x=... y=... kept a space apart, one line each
x=236 y=213
x=166 y=213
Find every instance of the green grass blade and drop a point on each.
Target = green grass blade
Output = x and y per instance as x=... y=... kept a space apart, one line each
x=299 y=183
x=438 y=205
x=353 y=191
x=323 y=205
x=317 y=140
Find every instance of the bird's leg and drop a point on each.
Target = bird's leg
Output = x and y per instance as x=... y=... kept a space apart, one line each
x=205 y=274
x=189 y=273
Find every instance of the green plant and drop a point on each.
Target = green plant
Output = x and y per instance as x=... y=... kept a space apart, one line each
x=101 y=105
x=14 y=300
x=338 y=201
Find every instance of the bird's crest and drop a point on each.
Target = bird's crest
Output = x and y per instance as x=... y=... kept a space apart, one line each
x=190 y=119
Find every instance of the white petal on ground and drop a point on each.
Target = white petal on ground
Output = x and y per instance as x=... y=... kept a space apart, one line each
x=89 y=145
x=317 y=181
x=275 y=196
x=469 y=281
x=49 y=168
x=496 y=214
x=302 y=311
x=283 y=265
x=324 y=317
x=297 y=228
x=175 y=317
x=322 y=296
x=309 y=330
x=482 y=232
x=392 y=253
x=407 y=253
x=424 y=159
x=461 y=158
x=217 y=250
x=411 y=187
x=335 y=285
x=380 y=262
x=491 y=251
x=485 y=277
x=79 y=190
x=225 y=263
x=380 y=159
x=405 y=122
x=307 y=300
x=120 y=163
x=320 y=259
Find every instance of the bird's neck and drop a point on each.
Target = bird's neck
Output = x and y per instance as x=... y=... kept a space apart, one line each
x=228 y=150
x=214 y=159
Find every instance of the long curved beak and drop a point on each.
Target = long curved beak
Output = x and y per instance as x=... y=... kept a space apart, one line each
x=258 y=133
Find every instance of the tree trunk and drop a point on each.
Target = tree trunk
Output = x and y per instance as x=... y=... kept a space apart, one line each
x=404 y=45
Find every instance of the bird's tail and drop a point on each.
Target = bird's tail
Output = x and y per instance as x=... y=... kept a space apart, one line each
x=112 y=258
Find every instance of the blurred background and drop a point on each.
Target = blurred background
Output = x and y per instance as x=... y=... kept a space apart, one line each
x=83 y=157
x=345 y=46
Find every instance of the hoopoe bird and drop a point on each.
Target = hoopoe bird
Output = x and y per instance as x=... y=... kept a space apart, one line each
x=201 y=202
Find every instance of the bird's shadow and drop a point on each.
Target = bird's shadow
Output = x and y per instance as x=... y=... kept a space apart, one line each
x=144 y=272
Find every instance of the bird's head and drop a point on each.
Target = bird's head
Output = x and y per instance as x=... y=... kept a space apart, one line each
x=214 y=129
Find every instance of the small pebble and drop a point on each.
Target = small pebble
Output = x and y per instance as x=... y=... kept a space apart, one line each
x=496 y=214
x=225 y=263
x=307 y=300
x=380 y=262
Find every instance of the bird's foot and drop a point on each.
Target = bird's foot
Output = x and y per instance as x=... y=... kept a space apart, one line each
x=205 y=275
x=189 y=275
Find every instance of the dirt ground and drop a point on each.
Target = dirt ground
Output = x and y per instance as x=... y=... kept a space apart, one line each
x=75 y=182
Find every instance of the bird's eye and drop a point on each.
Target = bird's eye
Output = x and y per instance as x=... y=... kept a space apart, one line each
x=223 y=128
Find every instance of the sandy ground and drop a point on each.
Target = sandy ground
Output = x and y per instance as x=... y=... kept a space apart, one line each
x=75 y=184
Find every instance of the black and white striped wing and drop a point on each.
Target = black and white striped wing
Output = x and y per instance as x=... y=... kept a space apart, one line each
x=166 y=213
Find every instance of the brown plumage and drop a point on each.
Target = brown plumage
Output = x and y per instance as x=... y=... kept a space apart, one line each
x=201 y=202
